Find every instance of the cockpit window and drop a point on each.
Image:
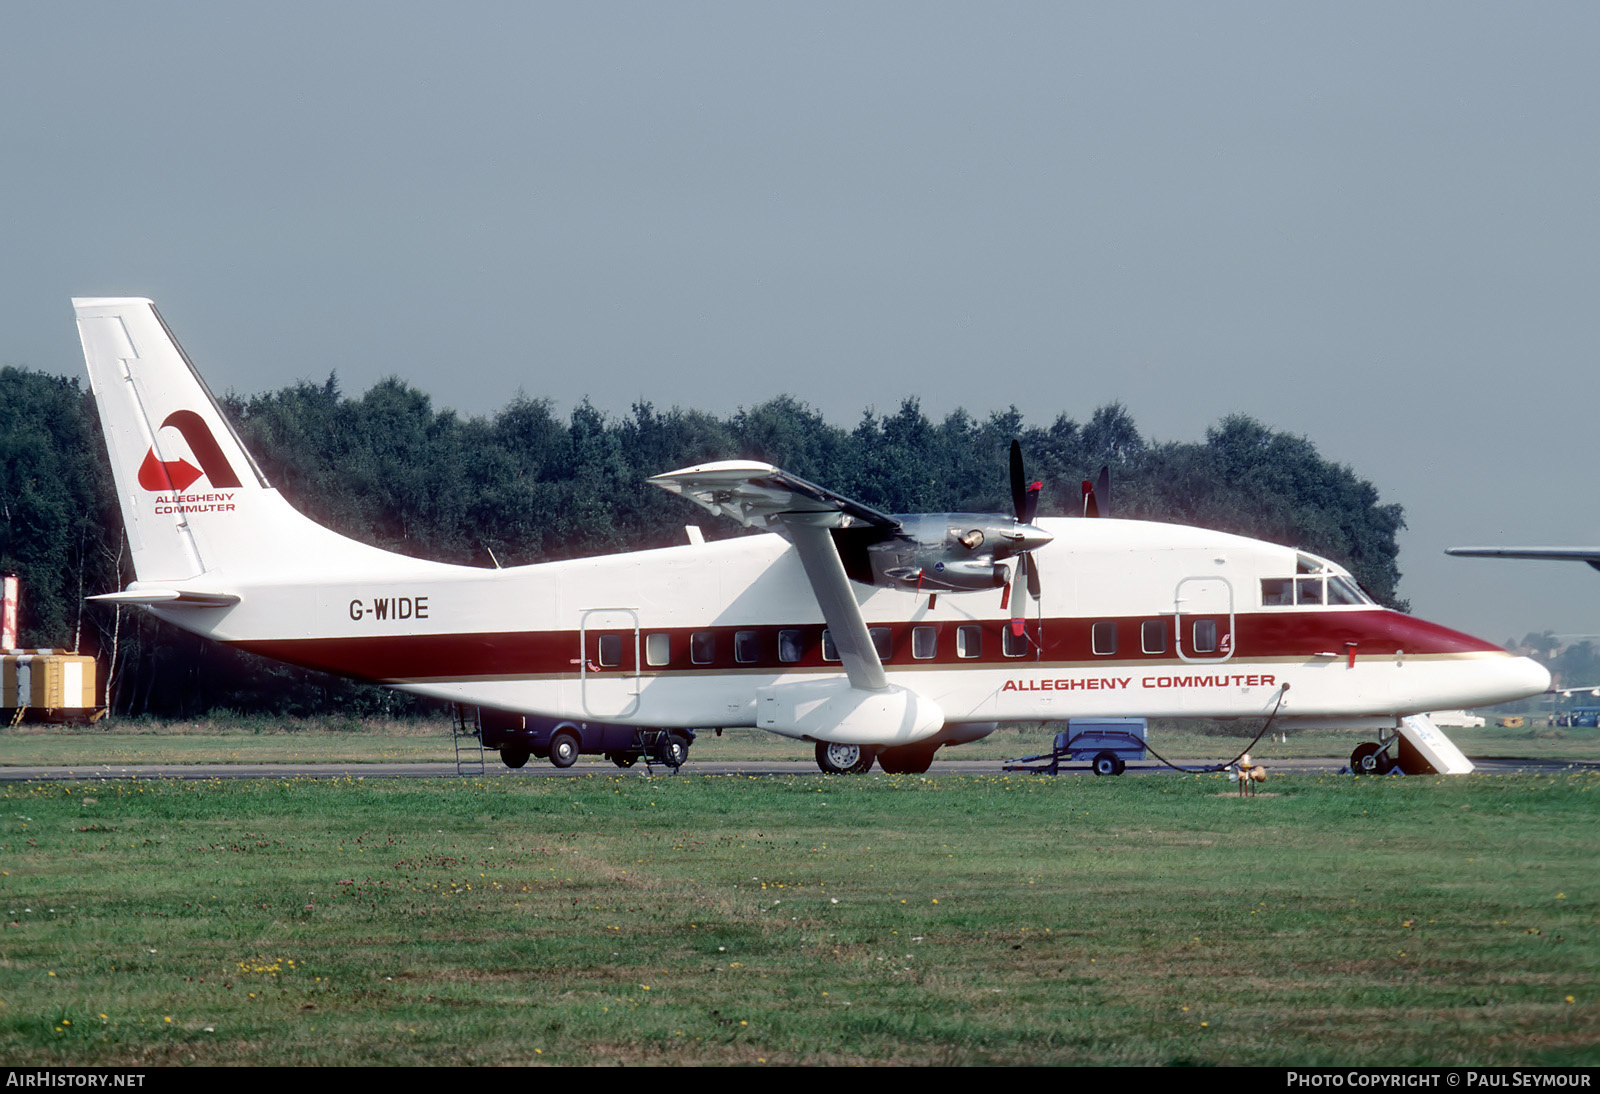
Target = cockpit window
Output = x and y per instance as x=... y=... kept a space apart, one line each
x=1323 y=587
x=1342 y=590
x=1276 y=591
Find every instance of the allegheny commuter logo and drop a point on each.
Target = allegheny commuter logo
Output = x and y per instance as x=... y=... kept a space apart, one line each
x=176 y=475
x=167 y=479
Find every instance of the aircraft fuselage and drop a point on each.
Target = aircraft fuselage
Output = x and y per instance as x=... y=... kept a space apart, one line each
x=1162 y=620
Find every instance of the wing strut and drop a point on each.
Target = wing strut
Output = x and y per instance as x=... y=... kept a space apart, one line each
x=824 y=569
x=757 y=495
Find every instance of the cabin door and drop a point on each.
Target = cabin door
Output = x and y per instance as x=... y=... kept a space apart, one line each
x=1203 y=619
x=608 y=661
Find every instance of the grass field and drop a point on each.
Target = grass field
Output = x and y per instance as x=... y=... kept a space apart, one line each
x=811 y=920
x=345 y=740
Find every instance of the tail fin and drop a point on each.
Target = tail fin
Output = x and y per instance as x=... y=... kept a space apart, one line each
x=192 y=498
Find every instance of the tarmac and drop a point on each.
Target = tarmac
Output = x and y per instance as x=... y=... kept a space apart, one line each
x=597 y=767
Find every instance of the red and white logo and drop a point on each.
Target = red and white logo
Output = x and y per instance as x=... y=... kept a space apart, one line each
x=176 y=475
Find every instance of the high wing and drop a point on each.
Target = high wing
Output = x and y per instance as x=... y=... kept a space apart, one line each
x=1591 y=555
x=760 y=495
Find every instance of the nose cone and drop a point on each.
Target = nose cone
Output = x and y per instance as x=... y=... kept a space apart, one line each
x=1531 y=678
x=1506 y=679
x=1030 y=537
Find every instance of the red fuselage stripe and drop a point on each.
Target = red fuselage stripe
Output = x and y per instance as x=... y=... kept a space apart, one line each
x=1256 y=636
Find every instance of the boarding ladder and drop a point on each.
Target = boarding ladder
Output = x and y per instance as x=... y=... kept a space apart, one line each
x=468 y=739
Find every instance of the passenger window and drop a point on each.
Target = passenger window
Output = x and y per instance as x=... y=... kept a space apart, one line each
x=1153 y=635
x=830 y=652
x=703 y=647
x=1276 y=592
x=924 y=642
x=790 y=647
x=1308 y=590
x=658 y=648
x=610 y=650
x=1205 y=636
x=969 y=640
x=1104 y=637
x=1013 y=644
x=746 y=647
x=883 y=642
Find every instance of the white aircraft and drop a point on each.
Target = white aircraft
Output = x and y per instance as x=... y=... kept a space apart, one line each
x=873 y=636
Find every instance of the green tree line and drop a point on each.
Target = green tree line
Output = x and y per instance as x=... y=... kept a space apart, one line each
x=529 y=485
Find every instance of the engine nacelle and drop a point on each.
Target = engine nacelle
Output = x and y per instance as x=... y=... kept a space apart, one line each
x=935 y=552
x=955 y=551
x=937 y=573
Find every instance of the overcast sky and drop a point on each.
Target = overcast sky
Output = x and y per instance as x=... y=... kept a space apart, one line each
x=1375 y=224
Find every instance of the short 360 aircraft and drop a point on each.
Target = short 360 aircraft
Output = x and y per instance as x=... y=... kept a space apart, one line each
x=871 y=635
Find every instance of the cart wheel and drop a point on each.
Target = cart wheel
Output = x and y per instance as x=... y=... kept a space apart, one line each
x=622 y=759
x=1368 y=759
x=674 y=750
x=837 y=759
x=564 y=749
x=514 y=757
x=1108 y=763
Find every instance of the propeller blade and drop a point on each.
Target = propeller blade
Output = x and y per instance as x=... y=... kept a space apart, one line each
x=1102 y=491
x=1025 y=500
x=1024 y=494
x=1025 y=577
x=1090 y=507
x=1019 y=489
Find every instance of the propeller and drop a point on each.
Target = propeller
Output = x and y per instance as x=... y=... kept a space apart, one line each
x=1097 y=496
x=1025 y=502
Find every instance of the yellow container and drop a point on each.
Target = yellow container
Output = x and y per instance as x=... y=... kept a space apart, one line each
x=47 y=679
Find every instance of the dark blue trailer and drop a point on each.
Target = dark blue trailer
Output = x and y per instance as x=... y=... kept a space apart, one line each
x=1105 y=744
x=520 y=737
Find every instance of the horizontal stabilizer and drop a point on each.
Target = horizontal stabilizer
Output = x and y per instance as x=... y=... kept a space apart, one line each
x=170 y=598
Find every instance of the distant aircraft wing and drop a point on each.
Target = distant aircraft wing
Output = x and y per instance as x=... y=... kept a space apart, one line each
x=760 y=495
x=1591 y=555
x=757 y=494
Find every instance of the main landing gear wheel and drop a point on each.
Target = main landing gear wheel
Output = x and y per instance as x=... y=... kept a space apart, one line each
x=1368 y=759
x=1108 y=763
x=837 y=759
x=906 y=760
x=622 y=759
x=564 y=749
x=674 y=750
x=514 y=757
